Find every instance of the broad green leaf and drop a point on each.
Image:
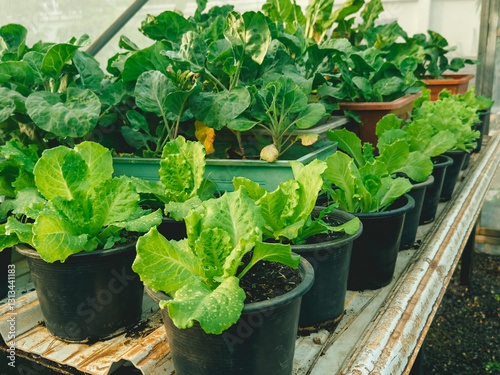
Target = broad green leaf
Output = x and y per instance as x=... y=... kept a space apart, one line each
x=26 y=198
x=98 y=160
x=17 y=72
x=55 y=239
x=252 y=188
x=182 y=168
x=73 y=117
x=177 y=101
x=218 y=109
x=151 y=92
x=215 y=310
x=388 y=122
x=443 y=141
x=150 y=58
x=60 y=172
x=14 y=38
x=167 y=25
x=193 y=51
x=234 y=212
x=241 y=124
x=392 y=189
x=56 y=58
x=212 y=248
x=349 y=143
x=339 y=173
x=7 y=240
x=418 y=166
x=91 y=75
x=180 y=210
x=395 y=155
x=165 y=265
x=113 y=201
x=254 y=37
x=272 y=252
x=313 y=113
x=143 y=224
x=389 y=86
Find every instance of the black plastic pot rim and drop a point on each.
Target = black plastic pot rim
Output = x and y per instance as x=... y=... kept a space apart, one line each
x=427 y=182
x=457 y=152
x=448 y=161
x=337 y=243
x=255 y=307
x=388 y=212
x=33 y=254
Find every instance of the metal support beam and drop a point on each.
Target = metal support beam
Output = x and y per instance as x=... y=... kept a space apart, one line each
x=487 y=47
x=110 y=32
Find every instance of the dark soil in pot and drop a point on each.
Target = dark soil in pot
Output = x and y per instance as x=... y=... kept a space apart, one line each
x=433 y=192
x=91 y=296
x=262 y=342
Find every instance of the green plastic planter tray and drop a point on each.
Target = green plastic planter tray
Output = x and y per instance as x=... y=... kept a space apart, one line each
x=222 y=171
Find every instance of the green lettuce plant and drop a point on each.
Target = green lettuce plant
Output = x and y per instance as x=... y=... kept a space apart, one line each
x=418 y=135
x=287 y=210
x=361 y=182
x=394 y=153
x=182 y=186
x=201 y=273
x=86 y=208
x=449 y=113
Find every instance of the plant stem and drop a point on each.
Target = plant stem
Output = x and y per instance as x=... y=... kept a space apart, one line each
x=240 y=143
x=215 y=80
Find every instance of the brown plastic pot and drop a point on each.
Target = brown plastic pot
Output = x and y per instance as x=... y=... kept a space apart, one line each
x=372 y=112
x=456 y=83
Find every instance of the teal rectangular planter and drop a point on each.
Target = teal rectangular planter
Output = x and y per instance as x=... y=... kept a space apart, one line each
x=222 y=171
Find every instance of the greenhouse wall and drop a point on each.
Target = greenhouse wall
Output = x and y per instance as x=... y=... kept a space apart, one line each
x=59 y=20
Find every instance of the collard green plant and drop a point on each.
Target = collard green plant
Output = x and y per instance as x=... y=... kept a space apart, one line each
x=280 y=108
x=86 y=208
x=48 y=90
x=433 y=52
x=287 y=210
x=366 y=76
x=17 y=183
x=202 y=272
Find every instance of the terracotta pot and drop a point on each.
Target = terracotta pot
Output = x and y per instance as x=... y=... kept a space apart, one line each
x=372 y=112
x=456 y=83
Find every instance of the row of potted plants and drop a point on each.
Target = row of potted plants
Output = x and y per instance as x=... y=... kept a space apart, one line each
x=201 y=252
x=76 y=204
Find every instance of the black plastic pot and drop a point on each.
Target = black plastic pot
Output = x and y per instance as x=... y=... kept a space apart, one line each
x=375 y=252
x=91 y=296
x=433 y=192
x=452 y=173
x=412 y=217
x=5 y=257
x=478 y=126
x=484 y=117
x=324 y=303
x=171 y=229
x=262 y=342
